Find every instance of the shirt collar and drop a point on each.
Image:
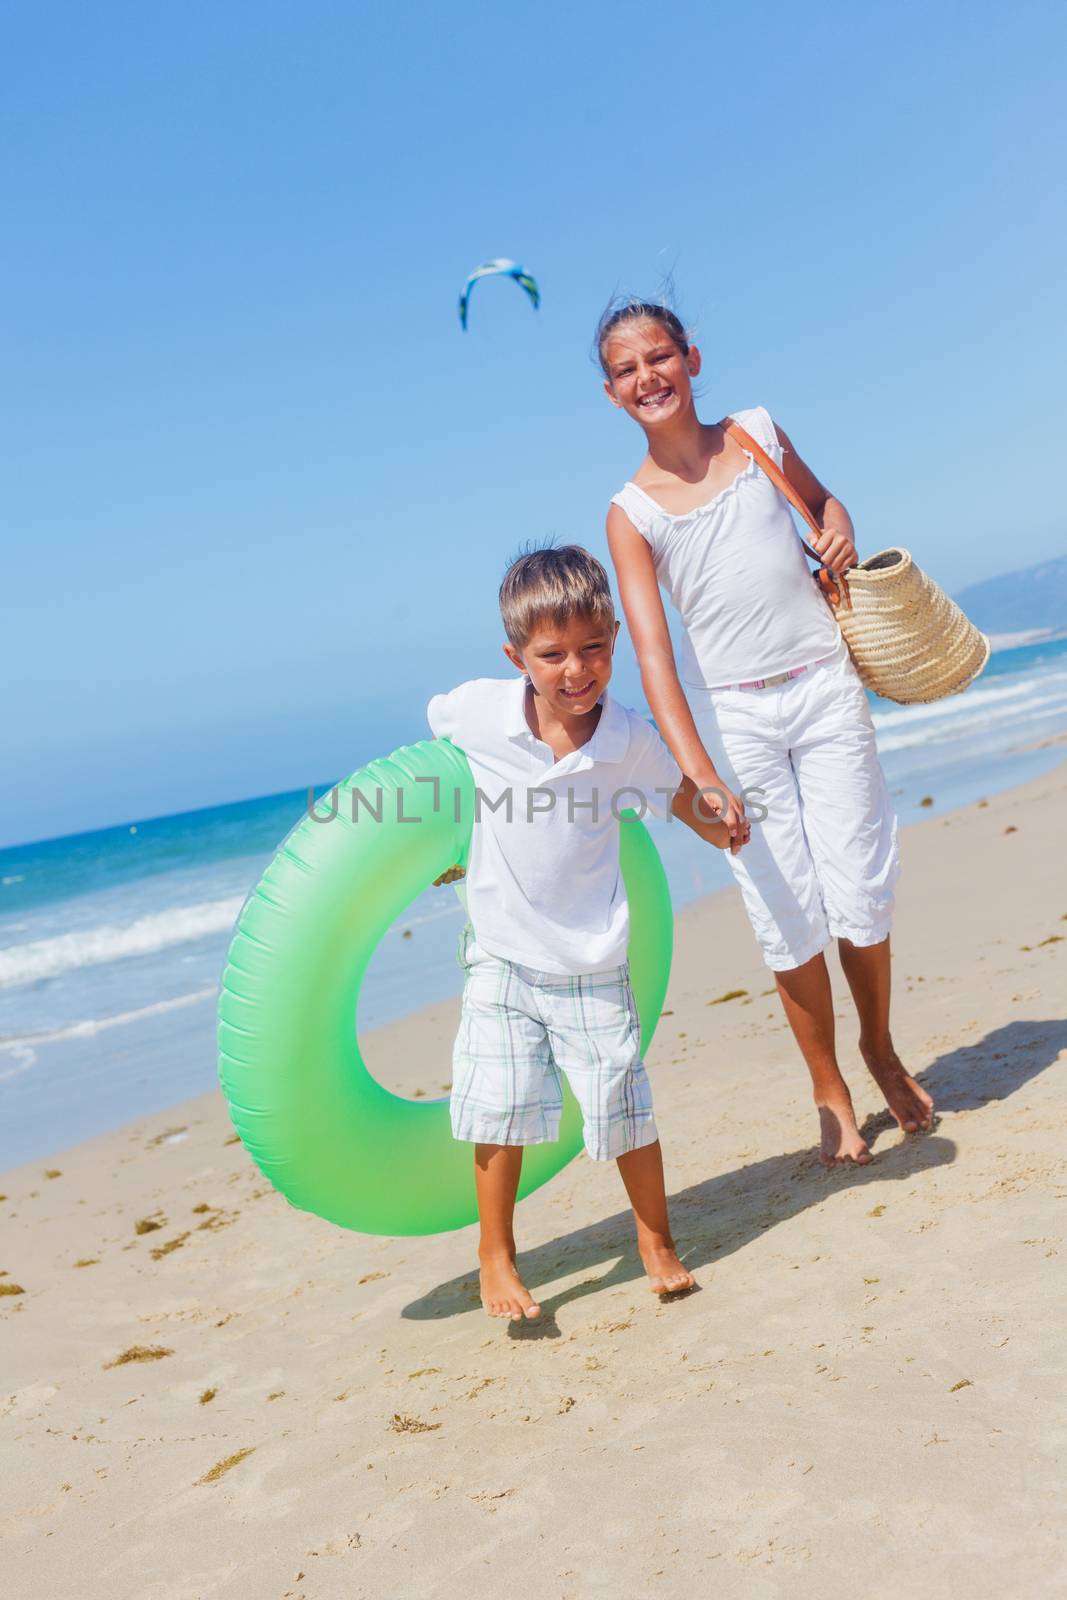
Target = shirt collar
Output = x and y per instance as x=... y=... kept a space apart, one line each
x=611 y=737
x=516 y=723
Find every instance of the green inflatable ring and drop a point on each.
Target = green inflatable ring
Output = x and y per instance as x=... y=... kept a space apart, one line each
x=314 y=1120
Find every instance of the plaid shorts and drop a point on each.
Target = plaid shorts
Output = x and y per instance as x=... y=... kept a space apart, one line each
x=520 y=1028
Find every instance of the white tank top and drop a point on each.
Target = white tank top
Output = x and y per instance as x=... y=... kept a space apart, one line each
x=736 y=573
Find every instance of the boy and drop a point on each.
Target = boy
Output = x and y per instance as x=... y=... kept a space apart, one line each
x=554 y=760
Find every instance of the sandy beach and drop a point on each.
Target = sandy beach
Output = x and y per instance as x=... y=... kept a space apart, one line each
x=206 y=1393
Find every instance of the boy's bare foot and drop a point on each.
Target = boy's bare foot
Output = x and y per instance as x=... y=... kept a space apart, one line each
x=910 y=1104
x=841 y=1139
x=666 y=1275
x=503 y=1292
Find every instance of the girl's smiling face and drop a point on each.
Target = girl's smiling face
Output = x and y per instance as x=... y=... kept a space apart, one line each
x=648 y=376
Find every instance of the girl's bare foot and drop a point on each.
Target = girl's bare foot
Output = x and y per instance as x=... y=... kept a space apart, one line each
x=503 y=1292
x=910 y=1104
x=841 y=1139
x=666 y=1275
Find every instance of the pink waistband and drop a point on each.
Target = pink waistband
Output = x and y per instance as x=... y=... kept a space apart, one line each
x=776 y=678
x=769 y=683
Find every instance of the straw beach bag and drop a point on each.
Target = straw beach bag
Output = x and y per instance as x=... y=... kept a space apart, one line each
x=908 y=640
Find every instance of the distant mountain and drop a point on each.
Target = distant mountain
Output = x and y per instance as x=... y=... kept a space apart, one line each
x=1019 y=602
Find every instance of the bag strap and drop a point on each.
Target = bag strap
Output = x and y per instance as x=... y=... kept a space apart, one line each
x=835 y=589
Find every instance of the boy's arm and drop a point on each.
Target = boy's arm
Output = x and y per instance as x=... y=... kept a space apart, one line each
x=435 y=714
x=689 y=808
x=453 y=874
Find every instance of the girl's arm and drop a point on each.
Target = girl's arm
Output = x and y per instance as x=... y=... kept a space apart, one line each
x=836 y=547
x=647 y=622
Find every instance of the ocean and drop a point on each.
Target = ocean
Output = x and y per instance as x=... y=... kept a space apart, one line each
x=112 y=942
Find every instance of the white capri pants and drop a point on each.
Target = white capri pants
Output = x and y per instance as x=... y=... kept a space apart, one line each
x=824 y=861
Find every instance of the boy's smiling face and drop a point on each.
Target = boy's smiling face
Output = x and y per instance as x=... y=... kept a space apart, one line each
x=568 y=664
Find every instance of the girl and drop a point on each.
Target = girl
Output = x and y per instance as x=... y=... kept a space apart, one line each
x=765 y=698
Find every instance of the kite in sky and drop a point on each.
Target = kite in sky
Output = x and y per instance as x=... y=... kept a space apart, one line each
x=501 y=267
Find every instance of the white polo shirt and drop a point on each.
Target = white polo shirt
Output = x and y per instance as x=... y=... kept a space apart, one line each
x=543 y=881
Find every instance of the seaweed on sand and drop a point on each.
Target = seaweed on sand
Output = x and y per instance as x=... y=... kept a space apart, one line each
x=139 y=1352
x=220 y=1467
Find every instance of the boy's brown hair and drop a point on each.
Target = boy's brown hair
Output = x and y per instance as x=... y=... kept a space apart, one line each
x=553 y=585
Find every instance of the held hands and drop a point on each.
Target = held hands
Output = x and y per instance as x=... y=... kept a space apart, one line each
x=730 y=809
x=451 y=876
x=714 y=813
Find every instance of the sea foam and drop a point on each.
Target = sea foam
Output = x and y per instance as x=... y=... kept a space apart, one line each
x=89 y=947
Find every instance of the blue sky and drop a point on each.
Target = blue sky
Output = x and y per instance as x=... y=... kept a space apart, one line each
x=257 y=486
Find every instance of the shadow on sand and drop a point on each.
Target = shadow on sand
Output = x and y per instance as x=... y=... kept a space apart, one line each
x=720 y=1215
